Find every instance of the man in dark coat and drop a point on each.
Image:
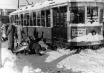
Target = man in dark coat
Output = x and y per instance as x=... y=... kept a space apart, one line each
x=0 y=33
x=11 y=34
x=0 y=30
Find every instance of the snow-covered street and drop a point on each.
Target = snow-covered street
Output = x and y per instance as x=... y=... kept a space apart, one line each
x=60 y=61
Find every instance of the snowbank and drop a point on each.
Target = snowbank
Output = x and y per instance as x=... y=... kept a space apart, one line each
x=86 y=61
x=87 y=38
x=8 y=61
x=28 y=69
x=7 y=55
x=13 y=64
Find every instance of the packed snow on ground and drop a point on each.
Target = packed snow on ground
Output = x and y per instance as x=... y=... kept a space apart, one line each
x=82 y=61
x=61 y=60
x=85 y=61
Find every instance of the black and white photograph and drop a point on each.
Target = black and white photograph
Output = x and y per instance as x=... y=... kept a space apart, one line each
x=52 y=36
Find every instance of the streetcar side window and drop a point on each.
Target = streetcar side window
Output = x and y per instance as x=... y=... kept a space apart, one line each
x=47 y=18
x=60 y=16
x=12 y=18
x=34 y=18
x=92 y=11
x=63 y=15
x=24 y=20
x=28 y=19
x=77 y=15
x=21 y=19
x=101 y=14
x=16 y=19
x=43 y=18
x=55 y=17
x=38 y=18
x=92 y=14
x=31 y=19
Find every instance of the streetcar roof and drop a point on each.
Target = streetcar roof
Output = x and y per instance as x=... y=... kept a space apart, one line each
x=49 y=3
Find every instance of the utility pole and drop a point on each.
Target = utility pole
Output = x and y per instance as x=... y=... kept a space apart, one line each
x=18 y=3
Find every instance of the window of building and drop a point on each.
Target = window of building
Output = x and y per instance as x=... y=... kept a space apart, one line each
x=1 y=12
x=9 y=12
x=77 y=15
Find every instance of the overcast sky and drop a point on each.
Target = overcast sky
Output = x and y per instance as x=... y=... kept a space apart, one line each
x=14 y=3
x=30 y=1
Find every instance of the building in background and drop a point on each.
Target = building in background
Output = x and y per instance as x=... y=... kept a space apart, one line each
x=6 y=11
x=8 y=6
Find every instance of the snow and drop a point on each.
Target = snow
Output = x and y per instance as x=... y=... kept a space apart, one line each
x=87 y=24
x=13 y=64
x=85 y=61
x=87 y=38
x=61 y=60
x=8 y=61
x=27 y=69
x=7 y=54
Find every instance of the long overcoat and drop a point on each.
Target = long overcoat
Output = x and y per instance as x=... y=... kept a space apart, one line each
x=11 y=34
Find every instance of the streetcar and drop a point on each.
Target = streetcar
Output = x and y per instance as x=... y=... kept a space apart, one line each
x=62 y=23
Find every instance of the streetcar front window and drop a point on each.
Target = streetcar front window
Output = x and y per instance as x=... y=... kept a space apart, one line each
x=77 y=15
x=92 y=14
x=101 y=15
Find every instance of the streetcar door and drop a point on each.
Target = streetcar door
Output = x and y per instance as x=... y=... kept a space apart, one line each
x=60 y=23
